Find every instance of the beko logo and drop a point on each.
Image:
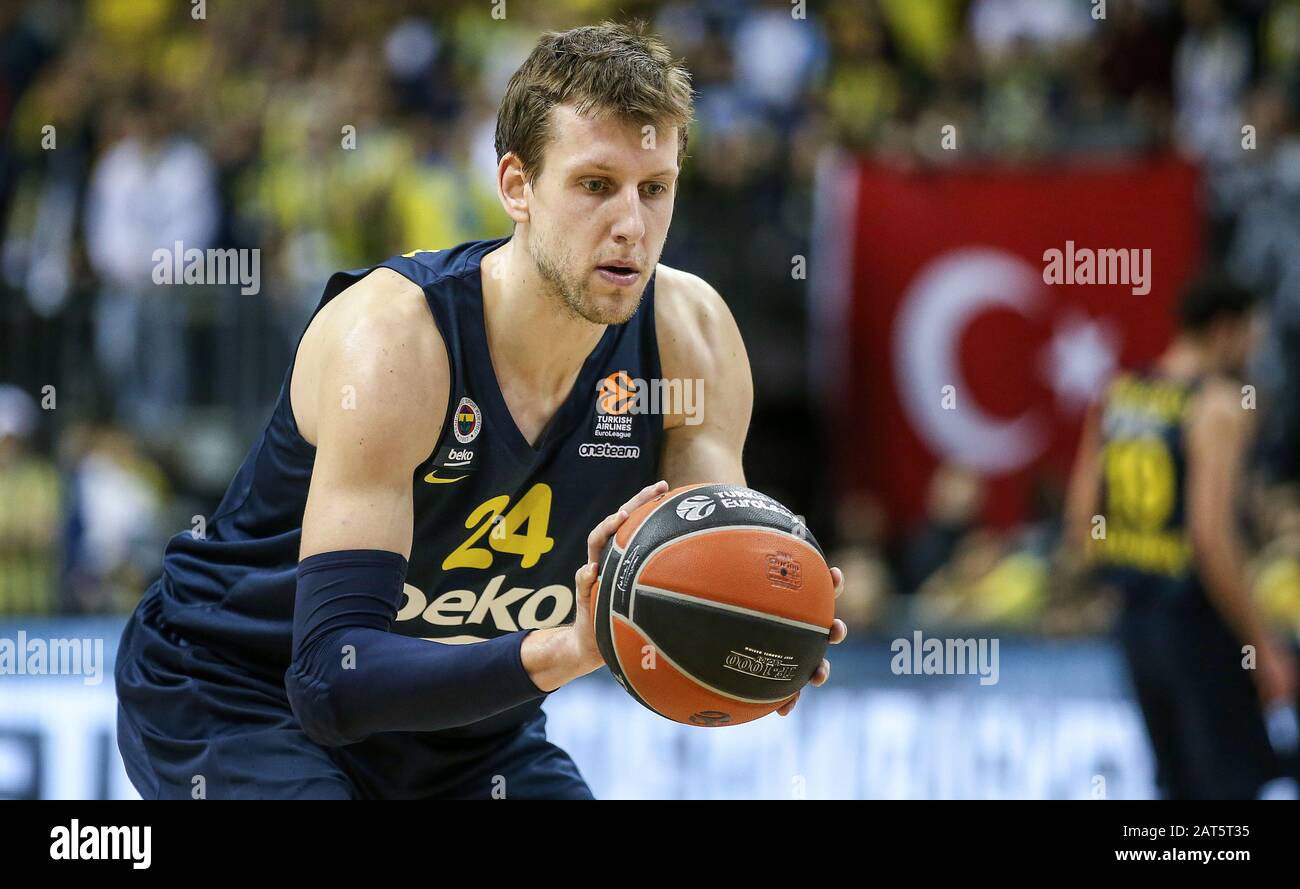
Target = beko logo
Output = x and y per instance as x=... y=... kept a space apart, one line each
x=459 y=456
x=498 y=608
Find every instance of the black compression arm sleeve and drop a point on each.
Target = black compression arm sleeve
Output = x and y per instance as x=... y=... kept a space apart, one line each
x=350 y=677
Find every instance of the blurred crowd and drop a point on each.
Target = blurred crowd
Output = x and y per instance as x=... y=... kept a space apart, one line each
x=953 y=570
x=328 y=134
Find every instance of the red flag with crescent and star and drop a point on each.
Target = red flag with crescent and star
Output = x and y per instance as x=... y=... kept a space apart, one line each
x=963 y=340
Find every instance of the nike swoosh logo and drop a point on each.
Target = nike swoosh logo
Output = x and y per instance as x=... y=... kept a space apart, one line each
x=432 y=478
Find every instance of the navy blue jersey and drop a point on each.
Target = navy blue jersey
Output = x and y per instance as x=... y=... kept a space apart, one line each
x=1146 y=550
x=1200 y=707
x=500 y=526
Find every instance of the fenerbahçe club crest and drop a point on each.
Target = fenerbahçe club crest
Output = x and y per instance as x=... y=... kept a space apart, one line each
x=469 y=420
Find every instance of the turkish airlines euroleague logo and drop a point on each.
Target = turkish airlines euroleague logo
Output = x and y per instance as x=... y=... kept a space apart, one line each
x=621 y=395
x=616 y=394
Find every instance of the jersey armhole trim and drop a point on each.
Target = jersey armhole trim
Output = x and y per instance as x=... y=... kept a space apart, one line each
x=293 y=360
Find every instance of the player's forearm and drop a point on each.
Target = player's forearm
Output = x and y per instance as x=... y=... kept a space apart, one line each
x=1084 y=491
x=350 y=677
x=688 y=461
x=1223 y=575
x=1080 y=507
x=551 y=658
x=361 y=681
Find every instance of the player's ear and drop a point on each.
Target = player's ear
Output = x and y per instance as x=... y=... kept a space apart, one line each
x=512 y=187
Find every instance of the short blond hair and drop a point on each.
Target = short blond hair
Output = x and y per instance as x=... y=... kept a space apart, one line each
x=608 y=68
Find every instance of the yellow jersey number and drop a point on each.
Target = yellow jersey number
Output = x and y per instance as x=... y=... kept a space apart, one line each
x=500 y=523
x=1140 y=482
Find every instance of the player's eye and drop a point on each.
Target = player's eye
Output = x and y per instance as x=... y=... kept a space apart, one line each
x=592 y=186
x=655 y=189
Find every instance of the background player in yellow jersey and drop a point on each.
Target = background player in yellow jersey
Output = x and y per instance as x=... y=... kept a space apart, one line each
x=1153 y=498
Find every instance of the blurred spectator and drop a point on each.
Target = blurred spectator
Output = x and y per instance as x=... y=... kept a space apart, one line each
x=1003 y=27
x=153 y=190
x=1211 y=71
x=29 y=511
x=1276 y=570
x=865 y=86
x=777 y=57
x=23 y=50
x=868 y=584
x=952 y=502
x=986 y=583
x=116 y=507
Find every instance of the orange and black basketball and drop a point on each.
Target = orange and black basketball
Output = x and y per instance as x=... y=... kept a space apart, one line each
x=714 y=605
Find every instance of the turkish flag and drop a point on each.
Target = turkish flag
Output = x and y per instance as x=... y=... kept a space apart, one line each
x=958 y=350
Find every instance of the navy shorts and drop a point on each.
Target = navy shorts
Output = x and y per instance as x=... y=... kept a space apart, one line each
x=1201 y=708
x=192 y=725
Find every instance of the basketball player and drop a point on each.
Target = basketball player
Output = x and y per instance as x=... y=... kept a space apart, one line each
x=1161 y=463
x=387 y=592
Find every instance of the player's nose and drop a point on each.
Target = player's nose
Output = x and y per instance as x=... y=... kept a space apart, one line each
x=629 y=225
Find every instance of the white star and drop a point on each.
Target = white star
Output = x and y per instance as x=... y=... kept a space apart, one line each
x=1079 y=359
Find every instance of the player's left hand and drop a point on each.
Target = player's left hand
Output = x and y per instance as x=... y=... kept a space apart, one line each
x=838 y=631
x=587 y=653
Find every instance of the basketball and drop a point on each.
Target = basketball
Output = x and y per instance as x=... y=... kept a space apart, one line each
x=714 y=605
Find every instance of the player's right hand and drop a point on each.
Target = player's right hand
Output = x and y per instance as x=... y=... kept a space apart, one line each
x=584 y=632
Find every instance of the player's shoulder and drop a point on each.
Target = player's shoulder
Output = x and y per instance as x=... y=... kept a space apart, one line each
x=383 y=309
x=377 y=336
x=1218 y=406
x=387 y=292
x=1219 y=395
x=683 y=298
x=432 y=268
x=692 y=321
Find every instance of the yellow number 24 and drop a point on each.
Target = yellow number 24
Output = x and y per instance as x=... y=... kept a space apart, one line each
x=531 y=511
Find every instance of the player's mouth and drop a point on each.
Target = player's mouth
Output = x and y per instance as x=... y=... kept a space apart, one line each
x=620 y=274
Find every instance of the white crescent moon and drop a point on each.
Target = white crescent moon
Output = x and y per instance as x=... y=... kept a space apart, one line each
x=945 y=296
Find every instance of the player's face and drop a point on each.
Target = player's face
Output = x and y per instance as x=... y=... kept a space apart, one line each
x=599 y=211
